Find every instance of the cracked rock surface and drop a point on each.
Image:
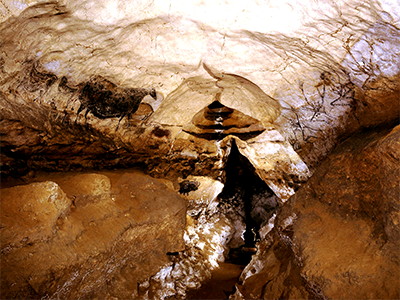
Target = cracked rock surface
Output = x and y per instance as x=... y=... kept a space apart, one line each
x=333 y=74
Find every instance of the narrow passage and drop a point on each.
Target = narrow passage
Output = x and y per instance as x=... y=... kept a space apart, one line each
x=248 y=202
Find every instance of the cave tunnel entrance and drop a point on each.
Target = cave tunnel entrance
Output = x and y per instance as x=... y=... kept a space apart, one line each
x=249 y=204
x=247 y=199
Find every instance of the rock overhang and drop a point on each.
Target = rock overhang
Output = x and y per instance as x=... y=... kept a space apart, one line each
x=307 y=89
x=233 y=91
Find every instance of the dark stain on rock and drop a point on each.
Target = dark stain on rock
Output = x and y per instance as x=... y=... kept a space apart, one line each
x=105 y=99
x=2 y=63
x=140 y=130
x=159 y=132
x=188 y=186
x=64 y=87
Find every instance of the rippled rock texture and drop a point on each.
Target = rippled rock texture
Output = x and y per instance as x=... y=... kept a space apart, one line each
x=338 y=237
x=176 y=90
x=87 y=235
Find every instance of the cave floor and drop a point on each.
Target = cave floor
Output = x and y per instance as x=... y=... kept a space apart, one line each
x=220 y=285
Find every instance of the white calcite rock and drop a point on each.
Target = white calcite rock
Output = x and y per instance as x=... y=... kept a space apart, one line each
x=310 y=58
x=205 y=194
x=275 y=162
x=230 y=90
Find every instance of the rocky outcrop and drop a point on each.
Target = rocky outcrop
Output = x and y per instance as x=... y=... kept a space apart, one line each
x=36 y=136
x=29 y=219
x=338 y=237
x=87 y=235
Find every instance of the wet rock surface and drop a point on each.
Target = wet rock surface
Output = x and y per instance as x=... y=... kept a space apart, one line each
x=87 y=235
x=29 y=213
x=176 y=90
x=338 y=237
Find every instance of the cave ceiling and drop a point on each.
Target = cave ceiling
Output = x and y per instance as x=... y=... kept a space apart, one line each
x=89 y=83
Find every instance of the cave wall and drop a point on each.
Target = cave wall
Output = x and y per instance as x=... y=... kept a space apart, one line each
x=74 y=235
x=338 y=237
x=334 y=66
x=292 y=78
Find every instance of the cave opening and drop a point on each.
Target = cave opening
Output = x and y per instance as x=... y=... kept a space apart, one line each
x=248 y=201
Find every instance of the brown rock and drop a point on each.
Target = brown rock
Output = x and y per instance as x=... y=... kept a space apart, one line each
x=85 y=184
x=29 y=213
x=100 y=248
x=338 y=237
x=379 y=102
x=84 y=188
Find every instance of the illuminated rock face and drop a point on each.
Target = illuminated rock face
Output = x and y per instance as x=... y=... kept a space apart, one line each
x=338 y=236
x=173 y=89
x=229 y=90
x=324 y=83
x=82 y=235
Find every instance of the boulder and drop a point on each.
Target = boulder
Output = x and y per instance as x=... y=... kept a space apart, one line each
x=29 y=213
x=116 y=232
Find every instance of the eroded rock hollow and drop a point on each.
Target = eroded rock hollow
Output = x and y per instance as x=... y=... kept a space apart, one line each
x=155 y=150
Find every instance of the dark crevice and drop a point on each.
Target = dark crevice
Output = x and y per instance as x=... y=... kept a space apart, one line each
x=214 y=135
x=248 y=200
x=250 y=196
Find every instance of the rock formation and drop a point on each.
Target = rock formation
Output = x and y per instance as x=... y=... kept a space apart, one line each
x=338 y=237
x=181 y=135
x=86 y=235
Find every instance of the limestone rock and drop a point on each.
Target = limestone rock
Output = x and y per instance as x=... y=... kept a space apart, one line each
x=217 y=121
x=29 y=213
x=100 y=247
x=304 y=82
x=338 y=237
x=376 y=106
x=230 y=90
x=83 y=184
x=275 y=162
x=205 y=249
x=289 y=79
x=205 y=195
